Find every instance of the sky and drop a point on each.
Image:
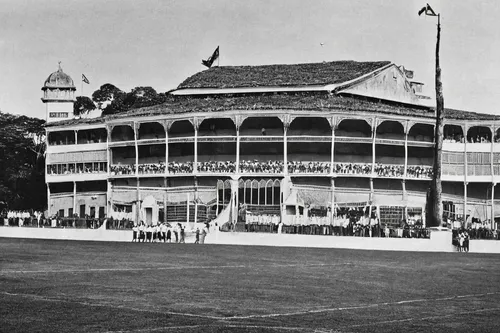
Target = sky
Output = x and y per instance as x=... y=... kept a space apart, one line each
x=160 y=43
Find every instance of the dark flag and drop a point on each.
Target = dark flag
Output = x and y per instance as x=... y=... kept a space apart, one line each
x=209 y=62
x=84 y=79
x=427 y=10
x=408 y=73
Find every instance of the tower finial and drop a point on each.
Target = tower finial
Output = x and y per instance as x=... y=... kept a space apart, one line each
x=59 y=63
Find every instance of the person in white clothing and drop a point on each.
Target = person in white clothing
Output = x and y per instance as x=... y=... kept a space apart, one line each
x=135 y=230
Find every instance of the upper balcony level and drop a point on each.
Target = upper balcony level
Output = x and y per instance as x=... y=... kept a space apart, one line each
x=76 y=140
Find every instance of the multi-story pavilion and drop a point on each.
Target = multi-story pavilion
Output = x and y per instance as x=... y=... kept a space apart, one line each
x=281 y=139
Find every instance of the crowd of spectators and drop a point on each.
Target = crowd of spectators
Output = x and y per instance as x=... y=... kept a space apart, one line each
x=22 y=218
x=353 y=168
x=125 y=169
x=261 y=222
x=180 y=167
x=480 y=138
x=475 y=228
x=72 y=168
x=389 y=170
x=151 y=168
x=308 y=167
x=217 y=167
x=353 y=221
x=413 y=171
x=450 y=138
x=256 y=166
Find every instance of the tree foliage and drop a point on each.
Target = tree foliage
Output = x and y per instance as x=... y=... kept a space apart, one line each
x=83 y=105
x=22 y=162
x=112 y=100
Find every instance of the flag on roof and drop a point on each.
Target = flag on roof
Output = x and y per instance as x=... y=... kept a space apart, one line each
x=408 y=73
x=209 y=62
x=428 y=11
x=84 y=79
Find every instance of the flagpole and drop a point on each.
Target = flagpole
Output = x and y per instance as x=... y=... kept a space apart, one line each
x=435 y=203
x=436 y=179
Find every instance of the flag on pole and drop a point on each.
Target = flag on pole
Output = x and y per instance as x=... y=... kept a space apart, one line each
x=428 y=11
x=408 y=73
x=84 y=79
x=209 y=62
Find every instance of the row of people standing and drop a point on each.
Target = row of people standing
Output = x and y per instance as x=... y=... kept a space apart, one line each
x=157 y=233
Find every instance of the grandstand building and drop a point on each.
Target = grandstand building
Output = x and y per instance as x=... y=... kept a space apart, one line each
x=296 y=141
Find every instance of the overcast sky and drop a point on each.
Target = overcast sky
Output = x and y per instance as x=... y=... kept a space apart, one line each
x=160 y=43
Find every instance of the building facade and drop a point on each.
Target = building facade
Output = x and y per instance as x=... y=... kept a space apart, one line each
x=294 y=141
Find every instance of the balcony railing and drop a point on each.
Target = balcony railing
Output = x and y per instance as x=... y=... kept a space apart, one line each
x=389 y=170
x=151 y=168
x=309 y=167
x=122 y=169
x=217 y=167
x=261 y=167
x=180 y=167
x=352 y=168
x=308 y=138
x=418 y=171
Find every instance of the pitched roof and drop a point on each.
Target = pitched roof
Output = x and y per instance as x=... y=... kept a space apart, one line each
x=281 y=75
x=296 y=102
x=468 y=115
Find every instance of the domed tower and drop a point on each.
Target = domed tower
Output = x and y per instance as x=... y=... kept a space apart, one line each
x=58 y=96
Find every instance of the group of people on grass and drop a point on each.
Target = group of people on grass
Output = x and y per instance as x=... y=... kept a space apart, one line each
x=462 y=240
x=166 y=233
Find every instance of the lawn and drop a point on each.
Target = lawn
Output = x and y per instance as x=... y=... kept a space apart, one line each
x=70 y=286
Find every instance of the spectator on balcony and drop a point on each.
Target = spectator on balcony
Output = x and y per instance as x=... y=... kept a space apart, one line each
x=419 y=172
x=263 y=131
x=152 y=168
x=218 y=167
x=120 y=169
x=180 y=167
x=261 y=167
x=308 y=167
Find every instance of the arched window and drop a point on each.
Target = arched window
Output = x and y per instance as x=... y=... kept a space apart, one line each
x=354 y=128
x=262 y=126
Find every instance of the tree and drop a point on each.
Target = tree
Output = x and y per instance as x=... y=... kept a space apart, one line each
x=106 y=93
x=83 y=105
x=137 y=98
x=22 y=162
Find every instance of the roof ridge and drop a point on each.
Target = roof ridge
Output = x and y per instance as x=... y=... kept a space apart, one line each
x=303 y=74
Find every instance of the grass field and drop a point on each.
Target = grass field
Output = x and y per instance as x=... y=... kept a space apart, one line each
x=68 y=286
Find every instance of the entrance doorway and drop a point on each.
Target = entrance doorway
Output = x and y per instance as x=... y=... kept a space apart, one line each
x=149 y=215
